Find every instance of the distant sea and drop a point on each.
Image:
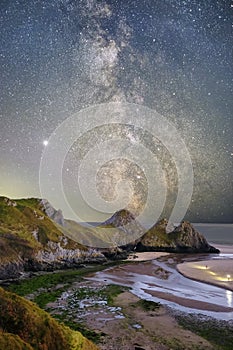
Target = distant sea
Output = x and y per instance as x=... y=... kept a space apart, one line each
x=216 y=233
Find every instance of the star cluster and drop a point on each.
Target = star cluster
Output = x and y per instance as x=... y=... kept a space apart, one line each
x=173 y=56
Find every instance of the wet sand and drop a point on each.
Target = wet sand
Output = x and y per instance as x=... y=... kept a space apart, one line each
x=156 y=330
x=217 y=271
x=146 y=256
x=154 y=276
x=160 y=281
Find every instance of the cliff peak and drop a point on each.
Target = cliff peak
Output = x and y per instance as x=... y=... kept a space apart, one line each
x=120 y=218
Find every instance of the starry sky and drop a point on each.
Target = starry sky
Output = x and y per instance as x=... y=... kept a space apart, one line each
x=60 y=56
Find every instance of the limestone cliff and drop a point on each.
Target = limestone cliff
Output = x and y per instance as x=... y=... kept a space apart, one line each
x=31 y=241
x=183 y=239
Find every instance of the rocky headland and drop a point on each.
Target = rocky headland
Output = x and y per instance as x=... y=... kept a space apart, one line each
x=31 y=241
x=35 y=237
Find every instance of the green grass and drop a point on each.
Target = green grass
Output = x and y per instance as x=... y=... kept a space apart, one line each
x=158 y=235
x=21 y=220
x=112 y=291
x=219 y=333
x=35 y=327
x=49 y=280
x=107 y=293
x=95 y=337
x=148 y=305
x=48 y=297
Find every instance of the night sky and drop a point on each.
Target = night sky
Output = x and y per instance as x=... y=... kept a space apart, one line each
x=175 y=57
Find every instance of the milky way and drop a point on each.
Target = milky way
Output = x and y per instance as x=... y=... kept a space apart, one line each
x=175 y=57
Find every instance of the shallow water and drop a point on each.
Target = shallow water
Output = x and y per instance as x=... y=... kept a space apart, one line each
x=143 y=286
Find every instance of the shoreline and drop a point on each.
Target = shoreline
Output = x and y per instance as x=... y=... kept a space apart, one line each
x=217 y=272
x=152 y=323
x=160 y=265
x=145 y=256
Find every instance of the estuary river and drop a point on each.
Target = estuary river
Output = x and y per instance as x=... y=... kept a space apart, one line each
x=159 y=281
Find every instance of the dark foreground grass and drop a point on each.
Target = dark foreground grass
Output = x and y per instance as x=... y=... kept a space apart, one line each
x=48 y=288
x=148 y=305
x=219 y=333
x=94 y=336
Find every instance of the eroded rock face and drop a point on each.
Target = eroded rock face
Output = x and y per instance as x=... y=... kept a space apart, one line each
x=183 y=239
x=59 y=255
x=55 y=215
x=126 y=223
x=185 y=235
x=11 y=269
x=31 y=241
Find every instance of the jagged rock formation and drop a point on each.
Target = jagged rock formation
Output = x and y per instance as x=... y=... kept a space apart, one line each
x=129 y=229
x=120 y=218
x=55 y=215
x=120 y=229
x=34 y=236
x=24 y=326
x=183 y=239
x=31 y=241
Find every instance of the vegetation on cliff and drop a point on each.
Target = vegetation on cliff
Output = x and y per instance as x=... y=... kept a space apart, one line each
x=183 y=239
x=23 y=323
x=30 y=240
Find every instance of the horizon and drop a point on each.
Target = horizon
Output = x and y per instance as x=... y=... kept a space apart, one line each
x=145 y=224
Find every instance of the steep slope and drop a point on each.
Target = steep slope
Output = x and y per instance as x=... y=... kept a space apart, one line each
x=127 y=232
x=120 y=229
x=25 y=326
x=30 y=240
x=183 y=239
x=120 y=218
x=126 y=222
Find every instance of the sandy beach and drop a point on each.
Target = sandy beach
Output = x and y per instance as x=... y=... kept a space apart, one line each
x=146 y=256
x=218 y=272
x=154 y=276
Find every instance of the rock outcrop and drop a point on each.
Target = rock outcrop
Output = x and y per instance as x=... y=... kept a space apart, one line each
x=55 y=215
x=120 y=218
x=129 y=229
x=183 y=239
x=31 y=241
x=34 y=236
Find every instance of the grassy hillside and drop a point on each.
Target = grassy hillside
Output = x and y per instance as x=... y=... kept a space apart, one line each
x=25 y=229
x=157 y=236
x=102 y=236
x=25 y=218
x=25 y=326
x=12 y=341
x=89 y=236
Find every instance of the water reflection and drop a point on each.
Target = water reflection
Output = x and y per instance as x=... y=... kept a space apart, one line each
x=229 y=297
x=144 y=285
